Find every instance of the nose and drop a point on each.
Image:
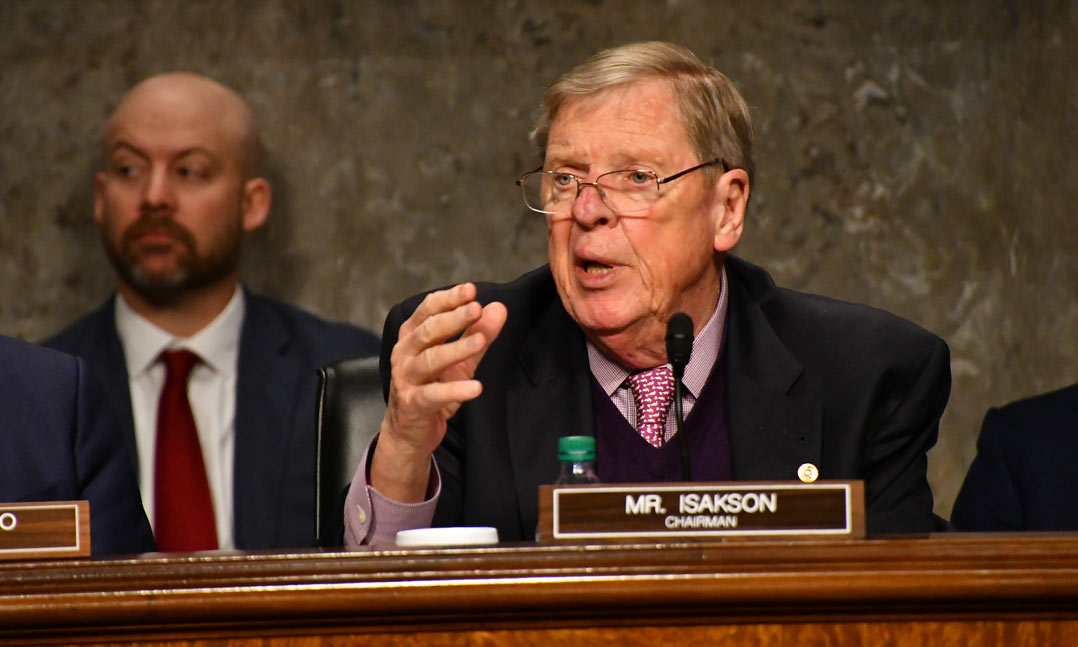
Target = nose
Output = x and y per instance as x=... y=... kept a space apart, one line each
x=157 y=190
x=589 y=208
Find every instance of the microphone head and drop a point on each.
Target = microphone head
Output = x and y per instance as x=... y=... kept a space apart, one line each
x=679 y=341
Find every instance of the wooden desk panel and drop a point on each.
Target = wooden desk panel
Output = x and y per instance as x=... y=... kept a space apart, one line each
x=945 y=590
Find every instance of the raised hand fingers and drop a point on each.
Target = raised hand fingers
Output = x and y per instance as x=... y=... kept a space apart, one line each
x=414 y=404
x=439 y=303
x=456 y=360
x=431 y=378
x=486 y=328
x=435 y=362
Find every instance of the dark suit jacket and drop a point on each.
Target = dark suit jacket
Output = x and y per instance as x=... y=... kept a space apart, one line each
x=281 y=350
x=1024 y=475
x=851 y=389
x=59 y=441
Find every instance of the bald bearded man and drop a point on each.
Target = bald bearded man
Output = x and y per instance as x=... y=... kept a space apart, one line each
x=179 y=190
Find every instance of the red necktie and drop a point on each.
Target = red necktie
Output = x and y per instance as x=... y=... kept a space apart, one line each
x=183 y=507
x=653 y=392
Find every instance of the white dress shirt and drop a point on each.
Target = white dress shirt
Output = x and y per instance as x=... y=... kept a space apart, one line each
x=211 y=389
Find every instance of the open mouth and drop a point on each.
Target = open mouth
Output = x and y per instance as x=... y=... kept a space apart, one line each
x=592 y=267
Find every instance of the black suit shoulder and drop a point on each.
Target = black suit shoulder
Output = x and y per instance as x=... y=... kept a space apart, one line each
x=1023 y=475
x=1045 y=416
x=840 y=328
x=851 y=346
x=323 y=340
x=86 y=332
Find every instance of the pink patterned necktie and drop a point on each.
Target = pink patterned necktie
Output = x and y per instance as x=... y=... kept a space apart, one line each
x=653 y=392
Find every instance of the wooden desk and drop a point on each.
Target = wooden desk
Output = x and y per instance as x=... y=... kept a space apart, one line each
x=945 y=590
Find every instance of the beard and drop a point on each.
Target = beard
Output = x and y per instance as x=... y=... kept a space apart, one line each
x=191 y=269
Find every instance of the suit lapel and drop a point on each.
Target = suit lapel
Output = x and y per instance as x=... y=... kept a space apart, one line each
x=549 y=397
x=109 y=366
x=265 y=397
x=772 y=432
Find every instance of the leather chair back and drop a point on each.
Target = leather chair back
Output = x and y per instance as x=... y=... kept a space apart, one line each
x=350 y=410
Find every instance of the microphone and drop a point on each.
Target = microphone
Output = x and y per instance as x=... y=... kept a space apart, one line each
x=678 y=351
x=679 y=342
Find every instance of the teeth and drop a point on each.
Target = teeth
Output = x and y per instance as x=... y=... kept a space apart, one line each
x=596 y=268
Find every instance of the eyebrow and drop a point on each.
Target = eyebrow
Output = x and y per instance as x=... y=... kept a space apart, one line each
x=127 y=146
x=624 y=163
x=570 y=156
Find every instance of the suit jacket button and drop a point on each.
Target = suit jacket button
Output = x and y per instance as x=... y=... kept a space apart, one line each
x=808 y=473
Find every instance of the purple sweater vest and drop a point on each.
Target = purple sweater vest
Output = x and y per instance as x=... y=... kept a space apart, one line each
x=622 y=456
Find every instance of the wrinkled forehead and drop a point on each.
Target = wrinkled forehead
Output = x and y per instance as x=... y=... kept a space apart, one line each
x=642 y=113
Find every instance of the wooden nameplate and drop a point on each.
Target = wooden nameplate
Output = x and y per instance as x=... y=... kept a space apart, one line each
x=49 y=529
x=702 y=510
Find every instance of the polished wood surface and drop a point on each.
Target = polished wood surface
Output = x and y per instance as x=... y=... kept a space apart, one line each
x=958 y=589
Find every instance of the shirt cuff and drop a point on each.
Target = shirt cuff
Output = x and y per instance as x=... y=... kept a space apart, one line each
x=373 y=520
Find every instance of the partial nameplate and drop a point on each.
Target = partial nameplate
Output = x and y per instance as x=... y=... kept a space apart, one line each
x=50 y=529
x=705 y=510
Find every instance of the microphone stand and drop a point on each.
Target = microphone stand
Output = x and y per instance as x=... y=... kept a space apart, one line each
x=678 y=349
x=686 y=469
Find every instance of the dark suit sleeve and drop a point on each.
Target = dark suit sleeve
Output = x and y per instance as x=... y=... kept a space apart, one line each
x=988 y=499
x=117 y=521
x=898 y=495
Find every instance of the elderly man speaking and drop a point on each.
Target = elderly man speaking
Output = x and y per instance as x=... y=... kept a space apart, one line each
x=646 y=171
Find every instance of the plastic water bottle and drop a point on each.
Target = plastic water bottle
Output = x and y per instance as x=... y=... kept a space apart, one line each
x=577 y=456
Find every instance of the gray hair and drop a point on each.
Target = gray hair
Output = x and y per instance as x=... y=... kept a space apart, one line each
x=714 y=113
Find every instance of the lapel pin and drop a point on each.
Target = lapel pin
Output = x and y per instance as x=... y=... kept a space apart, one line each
x=808 y=473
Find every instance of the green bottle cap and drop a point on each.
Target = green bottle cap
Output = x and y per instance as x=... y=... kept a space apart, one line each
x=576 y=448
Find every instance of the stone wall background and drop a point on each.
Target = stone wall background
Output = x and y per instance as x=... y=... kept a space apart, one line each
x=917 y=156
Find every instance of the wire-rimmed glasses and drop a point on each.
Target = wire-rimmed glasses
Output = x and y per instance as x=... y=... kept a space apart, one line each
x=624 y=191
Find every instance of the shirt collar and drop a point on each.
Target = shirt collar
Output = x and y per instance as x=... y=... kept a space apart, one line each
x=705 y=349
x=217 y=345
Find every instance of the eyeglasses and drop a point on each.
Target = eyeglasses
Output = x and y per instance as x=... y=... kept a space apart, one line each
x=625 y=191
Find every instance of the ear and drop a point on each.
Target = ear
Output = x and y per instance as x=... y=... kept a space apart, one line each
x=99 y=198
x=256 y=203
x=733 y=200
